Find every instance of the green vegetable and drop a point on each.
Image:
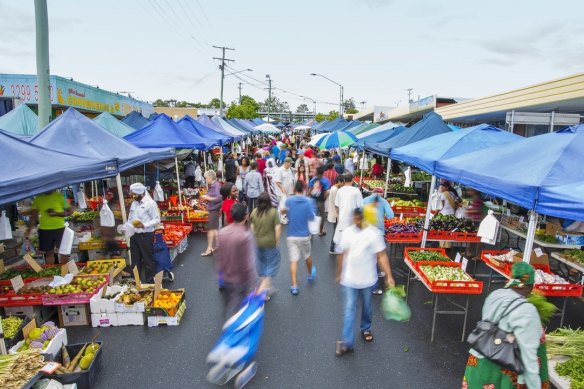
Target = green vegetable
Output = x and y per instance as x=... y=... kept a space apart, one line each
x=545 y=309
x=10 y=326
x=566 y=341
x=444 y=273
x=573 y=255
x=574 y=370
x=433 y=256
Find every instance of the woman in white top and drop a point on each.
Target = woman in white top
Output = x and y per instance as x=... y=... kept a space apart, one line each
x=447 y=198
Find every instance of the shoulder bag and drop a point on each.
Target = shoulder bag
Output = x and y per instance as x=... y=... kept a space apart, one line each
x=497 y=345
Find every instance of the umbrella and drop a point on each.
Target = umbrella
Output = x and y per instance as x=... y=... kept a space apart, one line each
x=316 y=138
x=336 y=139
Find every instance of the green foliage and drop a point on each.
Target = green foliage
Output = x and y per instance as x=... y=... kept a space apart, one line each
x=332 y=115
x=302 y=108
x=160 y=103
x=215 y=103
x=319 y=117
x=275 y=105
x=247 y=109
x=349 y=106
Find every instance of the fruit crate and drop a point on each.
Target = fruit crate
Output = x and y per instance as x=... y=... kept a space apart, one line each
x=560 y=290
x=440 y=235
x=504 y=266
x=30 y=279
x=91 y=245
x=406 y=237
x=465 y=237
x=407 y=211
x=450 y=286
x=85 y=379
x=408 y=250
x=119 y=264
x=74 y=298
x=13 y=299
x=151 y=311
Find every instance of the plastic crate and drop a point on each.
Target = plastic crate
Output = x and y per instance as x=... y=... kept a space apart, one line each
x=560 y=290
x=448 y=286
x=84 y=379
x=408 y=250
x=414 y=237
x=120 y=262
x=91 y=245
x=440 y=235
x=74 y=298
x=151 y=311
x=397 y=209
x=465 y=237
x=503 y=266
x=29 y=279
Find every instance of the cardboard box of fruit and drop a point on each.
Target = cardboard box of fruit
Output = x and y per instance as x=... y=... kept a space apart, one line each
x=134 y=300
x=48 y=338
x=113 y=267
x=78 y=291
x=167 y=303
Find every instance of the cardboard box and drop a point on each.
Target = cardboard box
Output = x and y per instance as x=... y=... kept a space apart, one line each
x=74 y=315
x=130 y=319
x=552 y=227
x=54 y=345
x=154 y=321
x=534 y=259
x=131 y=308
x=97 y=304
x=570 y=238
x=38 y=312
x=104 y=319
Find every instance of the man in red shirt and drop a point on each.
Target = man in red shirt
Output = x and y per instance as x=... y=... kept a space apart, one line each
x=330 y=173
x=261 y=162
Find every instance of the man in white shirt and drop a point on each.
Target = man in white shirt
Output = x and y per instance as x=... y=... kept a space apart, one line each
x=362 y=248
x=284 y=178
x=348 y=198
x=144 y=216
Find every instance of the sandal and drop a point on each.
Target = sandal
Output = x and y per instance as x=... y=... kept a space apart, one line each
x=367 y=336
x=207 y=253
x=341 y=349
x=322 y=234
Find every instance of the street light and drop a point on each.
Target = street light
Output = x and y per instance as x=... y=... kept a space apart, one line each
x=241 y=71
x=341 y=95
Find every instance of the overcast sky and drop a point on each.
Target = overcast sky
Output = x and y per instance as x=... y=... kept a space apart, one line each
x=375 y=48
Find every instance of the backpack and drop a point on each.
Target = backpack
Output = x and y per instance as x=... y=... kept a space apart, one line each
x=230 y=169
x=317 y=190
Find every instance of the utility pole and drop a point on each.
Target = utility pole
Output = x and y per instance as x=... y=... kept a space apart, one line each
x=222 y=67
x=410 y=94
x=269 y=95
x=239 y=87
x=342 y=110
x=42 y=61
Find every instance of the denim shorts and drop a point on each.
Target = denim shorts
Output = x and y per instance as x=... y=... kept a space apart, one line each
x=268 y=261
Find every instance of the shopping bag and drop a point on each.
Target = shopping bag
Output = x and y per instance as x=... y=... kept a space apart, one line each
x=81 y=200
x=239 y=183
x=282 y=203
x=5 y=228
x=460 y=212
x=436 y=201
x=158 y=192
x=106 y=216
x=394 y=306
x=67 y=240
x=314 y=225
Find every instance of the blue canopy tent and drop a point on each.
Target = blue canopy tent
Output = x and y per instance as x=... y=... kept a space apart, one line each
x=425 y=153
x=240 y=126
x=33 y=169
x=429 y=126
x=318 y=126
x=328 y=127
x=135 y=120
x=563 y=201
x=113 y=125
x=374 y=128
x=208 y=134
x=258 y=121
x=207 y=122
x=280 y=125
x=21 y=137
x=378 y=137
x=248 y=125
x=228 y=127
x=518 y=171
x=20 y=121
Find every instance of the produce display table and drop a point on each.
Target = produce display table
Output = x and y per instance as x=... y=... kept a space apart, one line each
x=436 y=311
x=573 y=265
x=557 y=380
x=522 y=235
x=570 y=290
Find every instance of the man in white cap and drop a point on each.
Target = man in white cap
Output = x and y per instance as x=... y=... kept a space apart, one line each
x=144 y=216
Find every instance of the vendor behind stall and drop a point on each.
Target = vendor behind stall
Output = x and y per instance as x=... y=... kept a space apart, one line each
x=144 y=216
x=49 y=210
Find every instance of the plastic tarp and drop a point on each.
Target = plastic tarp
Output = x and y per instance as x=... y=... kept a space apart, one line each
x=378 y=137
x=228 y=127
x=207 y=122
x=268 y=128
x=429 y=126
x=164 y=132
x=210 y=137
x=135 y=120
x=518 y=171
x=21 y=137
x=320 y=125
x=425 y=153
x=20 y=121
x=33 y=169
x=332 y=125
x=375 y=129
x=76 y=134
x=113 y=125
x=563 y=201
x=243 y=126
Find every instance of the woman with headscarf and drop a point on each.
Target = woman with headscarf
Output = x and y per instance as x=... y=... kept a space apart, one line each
x=523 y=320
x=269 y=183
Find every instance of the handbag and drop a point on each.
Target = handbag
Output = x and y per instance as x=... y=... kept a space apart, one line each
x=239 y=183
x=497 y=345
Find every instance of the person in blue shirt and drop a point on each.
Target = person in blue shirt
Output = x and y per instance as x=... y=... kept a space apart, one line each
x=300 y=210
x=318 y=188
x=275 y=151
x=383 y=211
x=284 y=153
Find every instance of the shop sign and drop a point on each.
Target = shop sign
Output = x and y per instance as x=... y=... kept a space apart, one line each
x=425 y=103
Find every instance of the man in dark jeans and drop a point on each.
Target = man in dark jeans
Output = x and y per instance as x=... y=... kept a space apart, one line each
x=144 y=216
x=318 y=189
x=230 y=168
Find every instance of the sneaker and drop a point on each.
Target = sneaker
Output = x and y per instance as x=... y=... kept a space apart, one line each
x=377 y=291
x=245 y=376
x=312 y=277
x=332 y=252
x=294 y=290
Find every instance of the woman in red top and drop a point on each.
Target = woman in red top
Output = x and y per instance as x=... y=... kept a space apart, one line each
x=377 y=169
x=260 y=161
x=301 y=174
x=230 y=195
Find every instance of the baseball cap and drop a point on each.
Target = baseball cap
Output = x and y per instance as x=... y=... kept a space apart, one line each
x=336 y=158
x=137 y=188
x=289 y=160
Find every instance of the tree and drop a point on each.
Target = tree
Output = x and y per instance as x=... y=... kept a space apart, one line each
x=275 y=105
x=215 y=103
x=247 y=109
x=160 y=103
x=349 y=106
x=332 y=115
x=302 y=108
x=320 y=117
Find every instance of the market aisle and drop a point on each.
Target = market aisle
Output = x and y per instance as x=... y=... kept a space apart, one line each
x=297 y=348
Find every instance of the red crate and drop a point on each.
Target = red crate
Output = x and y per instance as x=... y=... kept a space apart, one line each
x=560 y=290
x=12 y=299
x=504 y=266
x=439 y=235
x=29 y=279
x=74 y=298
x=397 y=209
x=408 y=250
x=414 y=237
x=447 y=286
x=465 y=237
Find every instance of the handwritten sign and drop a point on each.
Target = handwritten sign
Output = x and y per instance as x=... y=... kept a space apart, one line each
x=538 y=251
x=32 y=263
x=464 y=263
x=29 y=327
x=458 y=257
x=17 y=283
x=157 y=284
x=72 y=266
x=64 y=270
x=137 y=277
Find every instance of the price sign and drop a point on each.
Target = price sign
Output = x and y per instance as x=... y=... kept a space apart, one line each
x=29 y=327
x=17 y=283
x=32 y=263
x=538 y=251
x=521 y=219
x=157 y=284
x=64 y=270
x=464 y=263
x=72 y=267
x=137 y=277
x=51 y=367
x=458 y=258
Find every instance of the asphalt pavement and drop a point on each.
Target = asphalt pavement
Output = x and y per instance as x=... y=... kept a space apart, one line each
x=297 y=349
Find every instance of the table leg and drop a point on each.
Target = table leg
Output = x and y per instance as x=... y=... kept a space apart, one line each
x=465 y=317
x=435 y=303
x=563 y=311
x=490 y=281
x=408 y=283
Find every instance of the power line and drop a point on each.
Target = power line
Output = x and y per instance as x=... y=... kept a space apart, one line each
x=222 y=67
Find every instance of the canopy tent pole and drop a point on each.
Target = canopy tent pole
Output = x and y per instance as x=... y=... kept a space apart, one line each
x=428 y=211
x=157 y=172
x=530 y=236
x=205 y=160
x=144 y=175
x=387 y=177
x=121 y=196
x=178 y=180
x=92 y=189
x=359 y=162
